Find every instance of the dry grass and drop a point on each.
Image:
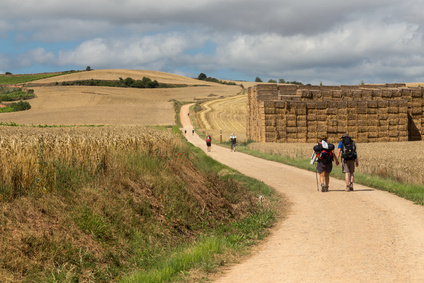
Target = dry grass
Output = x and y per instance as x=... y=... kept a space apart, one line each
x=403 y=161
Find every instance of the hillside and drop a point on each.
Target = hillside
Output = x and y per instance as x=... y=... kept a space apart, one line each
x=79 y=105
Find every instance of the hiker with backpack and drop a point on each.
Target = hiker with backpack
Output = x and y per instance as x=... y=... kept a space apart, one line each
x=233 y=140
x=325 y=155
x=347 y=150
x=208 y=142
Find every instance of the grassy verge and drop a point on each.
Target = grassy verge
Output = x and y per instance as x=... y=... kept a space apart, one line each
x=411 y=192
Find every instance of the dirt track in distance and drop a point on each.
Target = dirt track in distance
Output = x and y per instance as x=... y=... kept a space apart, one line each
x=361 y=236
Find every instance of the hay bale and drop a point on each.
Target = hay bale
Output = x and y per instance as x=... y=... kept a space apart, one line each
x=291 y=123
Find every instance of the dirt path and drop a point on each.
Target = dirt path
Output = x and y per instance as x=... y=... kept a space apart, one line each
x=361 y=236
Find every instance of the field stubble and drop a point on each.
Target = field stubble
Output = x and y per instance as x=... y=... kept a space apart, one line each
x=403 y=161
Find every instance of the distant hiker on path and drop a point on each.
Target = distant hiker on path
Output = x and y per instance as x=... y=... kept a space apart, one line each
x=347 y=149
x=192 y=132
x=325 y=155
x=233 y=140
x=208 y=142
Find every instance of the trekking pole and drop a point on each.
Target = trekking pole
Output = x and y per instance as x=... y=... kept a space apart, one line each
x=316 y=175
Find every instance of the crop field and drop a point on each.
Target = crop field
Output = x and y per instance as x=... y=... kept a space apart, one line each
x=31 y=153
x=228 y=115
x=89 y=105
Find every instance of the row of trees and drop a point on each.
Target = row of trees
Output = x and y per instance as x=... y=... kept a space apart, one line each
x=128 y=82
x=281 y=81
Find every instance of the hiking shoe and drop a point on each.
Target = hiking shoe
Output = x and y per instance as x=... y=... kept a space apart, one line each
x=322 y=187
x=347 y=188
x=326 y=188
x=351 y=187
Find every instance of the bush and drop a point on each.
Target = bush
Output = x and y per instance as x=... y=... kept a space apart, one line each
x=20 y=106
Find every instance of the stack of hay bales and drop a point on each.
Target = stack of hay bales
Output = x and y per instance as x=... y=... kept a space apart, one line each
x=303 y=114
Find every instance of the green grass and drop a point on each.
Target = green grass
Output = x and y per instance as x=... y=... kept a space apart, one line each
x=19 y=79
x=411 y=192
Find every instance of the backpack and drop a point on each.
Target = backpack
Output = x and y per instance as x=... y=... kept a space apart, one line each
x=325 y=155
x=233 y=139
x=208 y=138
x=348 y=149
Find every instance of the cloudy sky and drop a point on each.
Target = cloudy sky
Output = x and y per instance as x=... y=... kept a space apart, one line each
x=327 y=41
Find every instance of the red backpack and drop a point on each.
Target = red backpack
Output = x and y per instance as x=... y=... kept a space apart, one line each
x=208 y=138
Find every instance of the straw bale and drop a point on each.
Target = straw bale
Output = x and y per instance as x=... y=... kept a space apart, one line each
x=321 y=117
x=302 y=123
x=331 y=111
x=383 y=134
x=269 y=129
x=393 y=110
x=337 y=94
x=383 y=123
x=269 y=110
x=366 y=94
x=351 y=123
x=312 y=117
x=270 y=135
x=351 y=116
x=280 y=111
x=342 y=111
x=376 y=94
x=291 y=123
x=372 y=135
x=372 y=103
x=361 y=110
x=291 y=117
x=311 y=105
x=386 y=93
x=326 y=94
x=357 y=94
x=302 y=130
x=417 y=92
x=403 y=138
x=372 y=110
x=312 y=136
x=416 y=110
x=372 y=128
x=270 y=122
x=304 y=93
x=332 y=129
x=321 y=104
x=291 y=130
x=312 y=124
x=393 y=120
x=362 y=137
x=280 y=104
x=291 y=135
x=267 y=86
x=383 y=103
x=341 y=128
x=362 y=128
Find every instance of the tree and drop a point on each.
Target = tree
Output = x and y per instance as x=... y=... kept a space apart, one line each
x=258 y=80
x=281 y=81
x=88 y=68
x=272 y=81
x=202 y=77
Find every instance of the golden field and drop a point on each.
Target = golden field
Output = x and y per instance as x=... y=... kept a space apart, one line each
x=31 y=152
x=228 y=115
x=85 y=105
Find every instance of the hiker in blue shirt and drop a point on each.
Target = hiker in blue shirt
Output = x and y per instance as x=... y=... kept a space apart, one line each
x=347 y=150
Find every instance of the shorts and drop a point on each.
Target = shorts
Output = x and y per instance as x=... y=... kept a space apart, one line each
x=233 y=145
x=348 y=166
x=208 y=143
x=321 y=167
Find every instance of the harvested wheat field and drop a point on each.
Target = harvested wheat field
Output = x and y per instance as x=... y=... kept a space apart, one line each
x=93 y=105
x=228 y=115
